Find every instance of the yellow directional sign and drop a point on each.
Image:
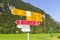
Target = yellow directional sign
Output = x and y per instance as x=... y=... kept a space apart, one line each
x=29 y=15
x=18 y=12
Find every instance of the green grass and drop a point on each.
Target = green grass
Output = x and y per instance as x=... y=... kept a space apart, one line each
x=32 y=37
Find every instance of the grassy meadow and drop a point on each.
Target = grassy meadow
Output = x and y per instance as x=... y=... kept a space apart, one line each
x=32 y=36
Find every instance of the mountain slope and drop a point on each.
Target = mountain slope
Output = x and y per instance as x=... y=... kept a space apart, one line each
x=7 y=20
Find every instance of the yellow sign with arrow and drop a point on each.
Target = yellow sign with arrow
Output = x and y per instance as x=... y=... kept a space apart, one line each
x=29 y=15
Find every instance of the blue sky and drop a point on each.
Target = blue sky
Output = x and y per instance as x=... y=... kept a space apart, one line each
x=51 y=7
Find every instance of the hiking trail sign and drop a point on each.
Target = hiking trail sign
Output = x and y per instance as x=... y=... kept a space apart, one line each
x=32 y=18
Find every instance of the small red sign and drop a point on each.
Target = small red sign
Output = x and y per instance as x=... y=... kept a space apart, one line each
x=25 y=22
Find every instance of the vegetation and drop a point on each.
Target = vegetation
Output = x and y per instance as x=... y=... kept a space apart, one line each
x=32 y=37
x=7 y=20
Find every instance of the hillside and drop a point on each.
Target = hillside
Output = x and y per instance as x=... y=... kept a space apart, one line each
x=7 y=20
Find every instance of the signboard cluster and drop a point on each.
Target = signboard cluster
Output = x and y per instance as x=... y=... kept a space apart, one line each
x=32 y=18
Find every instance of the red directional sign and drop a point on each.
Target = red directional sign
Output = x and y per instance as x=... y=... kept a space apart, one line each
x=26 y=22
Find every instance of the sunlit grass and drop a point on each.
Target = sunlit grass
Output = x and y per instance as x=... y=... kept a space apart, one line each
x=32 y=36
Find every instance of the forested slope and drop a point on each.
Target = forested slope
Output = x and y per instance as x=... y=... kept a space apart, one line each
x=7 y=20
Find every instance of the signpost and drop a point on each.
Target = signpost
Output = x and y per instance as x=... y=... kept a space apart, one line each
x=32 y=18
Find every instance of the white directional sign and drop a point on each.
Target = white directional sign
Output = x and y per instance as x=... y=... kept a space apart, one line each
x=25 y=28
